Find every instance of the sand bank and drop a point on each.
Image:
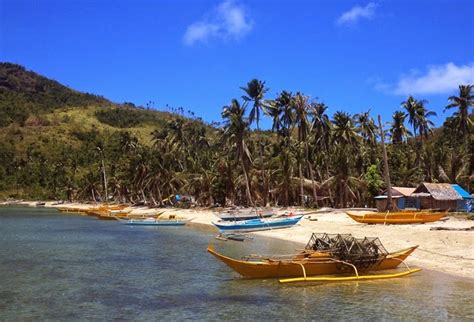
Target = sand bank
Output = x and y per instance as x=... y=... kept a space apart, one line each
x=445 y=251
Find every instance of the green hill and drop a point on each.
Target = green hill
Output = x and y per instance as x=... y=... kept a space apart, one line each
x=49 y=132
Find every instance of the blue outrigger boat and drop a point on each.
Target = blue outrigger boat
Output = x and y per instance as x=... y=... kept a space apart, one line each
x=258 y=224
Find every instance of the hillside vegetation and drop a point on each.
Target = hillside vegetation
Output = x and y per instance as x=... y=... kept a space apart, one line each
x=57 y=143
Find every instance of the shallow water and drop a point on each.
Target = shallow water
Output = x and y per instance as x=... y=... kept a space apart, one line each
x=68 y=267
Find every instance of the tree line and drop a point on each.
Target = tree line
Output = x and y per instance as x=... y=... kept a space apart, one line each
x=307 y=157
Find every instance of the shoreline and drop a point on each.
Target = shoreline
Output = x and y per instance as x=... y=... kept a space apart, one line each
x=448 y=252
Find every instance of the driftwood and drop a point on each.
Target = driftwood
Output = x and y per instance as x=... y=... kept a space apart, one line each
x=454 y=229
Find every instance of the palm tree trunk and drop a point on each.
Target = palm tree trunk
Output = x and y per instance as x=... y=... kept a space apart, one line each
x=247 y=184
x=385 y=163
x=105 y=178
x=300 y=169
x=313 y=184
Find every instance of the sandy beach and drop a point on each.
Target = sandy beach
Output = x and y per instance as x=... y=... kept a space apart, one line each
x=444 y=251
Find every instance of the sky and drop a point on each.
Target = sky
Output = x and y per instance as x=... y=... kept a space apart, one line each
x=351 y=55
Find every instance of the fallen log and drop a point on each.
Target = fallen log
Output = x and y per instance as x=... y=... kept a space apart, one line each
x=453 y=229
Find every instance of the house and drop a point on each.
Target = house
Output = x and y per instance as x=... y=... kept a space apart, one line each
x=401 y=199
x=442 y=196
x=466 y=203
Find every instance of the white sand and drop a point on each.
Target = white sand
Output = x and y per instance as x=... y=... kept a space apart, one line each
x=445 y=251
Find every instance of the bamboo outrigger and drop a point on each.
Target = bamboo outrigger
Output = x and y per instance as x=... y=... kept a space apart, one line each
x=311 y=263
x=405 y=217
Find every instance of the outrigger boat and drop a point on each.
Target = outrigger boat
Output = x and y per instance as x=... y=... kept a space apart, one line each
x=323 y=255
x=258 y=224
x=238 y=215
x=408 y=217
x=155 y=222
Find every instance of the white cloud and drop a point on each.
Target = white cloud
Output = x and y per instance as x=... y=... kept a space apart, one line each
x=227 y=21
x=439 y=79
x=357 y=13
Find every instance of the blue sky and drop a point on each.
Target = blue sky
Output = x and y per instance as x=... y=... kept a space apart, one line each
x=352 y=55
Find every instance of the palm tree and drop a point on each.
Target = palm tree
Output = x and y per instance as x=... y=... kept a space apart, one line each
x=367 y=127
x=255 y=91
x=462 y=102
x=321 y=127
x=283 y=161
x=320 y=140
x=301 y=108
x=346 y=141
x=280 y=111
x=422 y=119
x=398 y=130
x=236 y=130
x=410 y=105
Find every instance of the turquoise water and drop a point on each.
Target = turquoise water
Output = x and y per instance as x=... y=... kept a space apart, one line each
x=68 y=267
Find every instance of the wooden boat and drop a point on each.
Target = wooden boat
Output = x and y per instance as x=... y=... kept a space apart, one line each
x=155 y=222
x=407 y=217
x=258 y=224
x=235 y=237
x=70 y=210
x=239 y=216
x=314 y=264
x=311 y=262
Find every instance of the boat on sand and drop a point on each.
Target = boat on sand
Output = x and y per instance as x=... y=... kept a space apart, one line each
x=405 y=217
x=238 y=215
x=154 y=222
x=258 y=224
x=323 y=255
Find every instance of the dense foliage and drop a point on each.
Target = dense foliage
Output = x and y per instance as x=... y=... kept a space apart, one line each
x=309 y=157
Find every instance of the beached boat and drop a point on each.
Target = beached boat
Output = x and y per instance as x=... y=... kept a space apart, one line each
x=240 y=215
x=322 y=256
x=155 y=222
x=258 y=224
x=72 y=210
x=405 y=217
x=232 y=236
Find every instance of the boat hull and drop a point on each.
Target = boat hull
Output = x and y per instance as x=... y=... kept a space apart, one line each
x=312 y=266
x=240 y=217
x=134 y=222
x=399 y=218
x=258 y=224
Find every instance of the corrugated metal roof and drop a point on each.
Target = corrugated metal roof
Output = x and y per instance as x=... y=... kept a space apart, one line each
x=463 y=193
x=439 y=191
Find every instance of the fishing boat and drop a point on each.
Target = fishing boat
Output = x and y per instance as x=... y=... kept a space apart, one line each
x=232 y=236
x=239 y=215
x=258 y=224
x=72 y=210
x=324 y=254
x=405 y=217
x=155 y=222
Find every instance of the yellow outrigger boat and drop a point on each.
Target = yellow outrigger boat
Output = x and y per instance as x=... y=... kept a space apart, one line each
x=398 y=218
x=310 y=264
